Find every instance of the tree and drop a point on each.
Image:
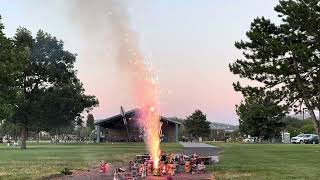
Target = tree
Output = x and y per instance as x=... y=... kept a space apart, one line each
x=11 y=62
x=235 y=136
x=260 y=116
x=90 y=121
x=293 y=125
x=52 y=95
x=308 y=129
x=8 y=128
x=297 y=126
x=83 y=133
x=293 y=122
x=285 y=58
x=197 y=124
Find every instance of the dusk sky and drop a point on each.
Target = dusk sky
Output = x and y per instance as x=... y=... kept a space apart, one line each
x=188 y=42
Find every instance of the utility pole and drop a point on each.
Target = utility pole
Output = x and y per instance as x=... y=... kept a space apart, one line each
x=303 y=113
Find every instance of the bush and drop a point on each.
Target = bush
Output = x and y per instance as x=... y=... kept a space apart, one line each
x=66 y=171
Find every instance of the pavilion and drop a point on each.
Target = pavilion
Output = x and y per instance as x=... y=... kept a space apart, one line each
x=116 y=129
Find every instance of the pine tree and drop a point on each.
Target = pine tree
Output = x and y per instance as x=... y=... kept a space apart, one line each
x=285 y=57
x=197 y=125
x=90 y=121
x=260 y=116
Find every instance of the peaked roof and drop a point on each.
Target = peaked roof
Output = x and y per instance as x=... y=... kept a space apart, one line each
x=173 y=120
x=129 y=114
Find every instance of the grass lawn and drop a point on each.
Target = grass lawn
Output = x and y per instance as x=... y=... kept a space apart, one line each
x=44 y=159
x=268 y=161
x=238 y=161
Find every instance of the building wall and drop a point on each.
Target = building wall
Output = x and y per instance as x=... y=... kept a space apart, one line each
x=168 y=130
x=119 y=132
x=117 y=135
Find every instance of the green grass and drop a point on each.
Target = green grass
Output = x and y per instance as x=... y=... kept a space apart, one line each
x=45 y=159
x=238 y=161
x=268 y=161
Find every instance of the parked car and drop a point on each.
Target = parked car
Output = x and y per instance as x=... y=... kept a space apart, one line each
x=248 y=140
x=311 y=139
x=300 y=138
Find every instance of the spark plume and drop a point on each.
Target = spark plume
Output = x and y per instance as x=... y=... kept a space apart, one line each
x=144 y=84
x=135 y=67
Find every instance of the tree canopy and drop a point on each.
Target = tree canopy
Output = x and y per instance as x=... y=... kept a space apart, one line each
x=260 y=116
x=11 y=64
x=285 y=57
x=197 y=125
x=40 y=76
x=296 y=126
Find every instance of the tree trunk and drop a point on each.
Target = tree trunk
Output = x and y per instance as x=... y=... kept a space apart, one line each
x=23 y=136
x=309 y=105
x=316 y=123
x=317 y=127
x=38 y=137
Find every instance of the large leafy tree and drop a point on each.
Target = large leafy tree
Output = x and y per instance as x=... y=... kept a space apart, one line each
x=12 y=61
x=197 y=125
x=285 y=57
x=260 y=116
x=52 y=95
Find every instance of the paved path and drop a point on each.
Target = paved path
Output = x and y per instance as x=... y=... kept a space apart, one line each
x=200 y=145
x=201 y=149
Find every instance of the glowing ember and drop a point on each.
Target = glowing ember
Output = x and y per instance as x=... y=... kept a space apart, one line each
x=152 y=109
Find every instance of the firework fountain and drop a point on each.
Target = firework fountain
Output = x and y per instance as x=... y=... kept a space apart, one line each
x=97 y=18
x=141 y=76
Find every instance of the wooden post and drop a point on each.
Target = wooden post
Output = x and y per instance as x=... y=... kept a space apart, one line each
x=98 y=133
x=177 y=132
